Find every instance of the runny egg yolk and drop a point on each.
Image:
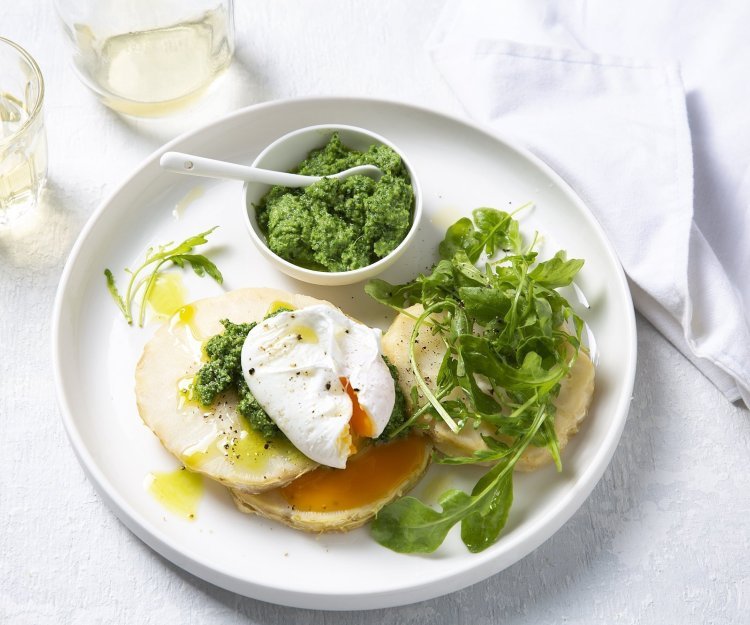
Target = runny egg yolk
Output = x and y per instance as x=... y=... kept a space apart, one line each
x=360 y=424
x=369 y=476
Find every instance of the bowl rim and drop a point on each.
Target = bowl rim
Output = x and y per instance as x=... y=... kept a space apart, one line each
x=362 y=272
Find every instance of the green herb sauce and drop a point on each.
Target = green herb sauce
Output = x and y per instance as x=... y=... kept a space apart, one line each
x=339 y=225
x=223 y=371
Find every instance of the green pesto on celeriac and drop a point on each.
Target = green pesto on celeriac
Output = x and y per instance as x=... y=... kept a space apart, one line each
x=339 y=225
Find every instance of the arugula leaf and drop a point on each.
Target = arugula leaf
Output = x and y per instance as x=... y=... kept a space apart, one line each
x=556 y=272
x=493 y=226
x=484 y=304
x=179 y=255
x=200 y=264
x=439 y=284
x=394 y=296
x=409 y=526
x=465 y=273
x=460 y=236
x=478 y=355
x=480 y=529
x=495 y=230
x=496 y=451
x=112 y=287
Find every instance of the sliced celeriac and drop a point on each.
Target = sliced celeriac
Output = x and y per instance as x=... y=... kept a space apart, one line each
x=327 y=500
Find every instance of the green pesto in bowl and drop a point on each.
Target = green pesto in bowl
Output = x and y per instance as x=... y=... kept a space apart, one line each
x=339 y=225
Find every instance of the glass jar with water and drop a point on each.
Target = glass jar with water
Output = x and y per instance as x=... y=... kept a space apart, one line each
x=149 y=57
x=23 y=142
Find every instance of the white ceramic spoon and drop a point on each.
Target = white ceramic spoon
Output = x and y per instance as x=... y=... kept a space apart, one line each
x=181 y=163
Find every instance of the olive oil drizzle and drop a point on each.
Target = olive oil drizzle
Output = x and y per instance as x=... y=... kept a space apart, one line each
x=179 y=491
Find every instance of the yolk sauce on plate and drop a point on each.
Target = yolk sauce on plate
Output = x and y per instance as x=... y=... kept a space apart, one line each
x=369 y=476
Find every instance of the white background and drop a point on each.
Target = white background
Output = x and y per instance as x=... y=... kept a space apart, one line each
x=664 y=538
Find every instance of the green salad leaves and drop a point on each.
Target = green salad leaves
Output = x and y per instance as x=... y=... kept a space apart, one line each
x=510 y=339
x=141 y=281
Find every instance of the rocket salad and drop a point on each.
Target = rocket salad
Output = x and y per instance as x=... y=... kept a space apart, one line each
x=502 y=320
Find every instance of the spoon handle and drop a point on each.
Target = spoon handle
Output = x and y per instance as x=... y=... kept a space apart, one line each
x=192 y=165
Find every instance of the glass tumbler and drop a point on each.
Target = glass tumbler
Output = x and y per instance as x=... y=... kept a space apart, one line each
x=23 y=142
x=148 y=57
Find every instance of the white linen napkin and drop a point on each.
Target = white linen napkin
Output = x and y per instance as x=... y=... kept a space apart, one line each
x=596 y=90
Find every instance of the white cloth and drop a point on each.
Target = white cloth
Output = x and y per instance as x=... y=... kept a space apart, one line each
x=642 y=107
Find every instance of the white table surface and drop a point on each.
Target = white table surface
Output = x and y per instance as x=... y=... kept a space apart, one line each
x=664 y=538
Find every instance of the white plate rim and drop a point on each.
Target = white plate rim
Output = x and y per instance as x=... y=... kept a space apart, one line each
x=526 y=539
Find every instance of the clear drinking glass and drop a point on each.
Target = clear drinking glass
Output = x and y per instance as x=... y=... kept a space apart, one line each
x=23 y=142
x=149 y=57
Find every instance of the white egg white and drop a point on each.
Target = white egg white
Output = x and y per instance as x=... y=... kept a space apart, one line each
x=293 y=363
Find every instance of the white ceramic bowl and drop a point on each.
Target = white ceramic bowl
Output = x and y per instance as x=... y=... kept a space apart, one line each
x=289 y=151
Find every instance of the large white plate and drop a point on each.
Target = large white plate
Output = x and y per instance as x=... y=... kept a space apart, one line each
x=461 y=166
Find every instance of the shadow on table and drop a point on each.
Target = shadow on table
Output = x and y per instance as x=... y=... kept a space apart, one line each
x=41 y=239
x=547 y=584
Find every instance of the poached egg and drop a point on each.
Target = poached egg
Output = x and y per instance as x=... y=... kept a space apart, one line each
x=321 y=378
